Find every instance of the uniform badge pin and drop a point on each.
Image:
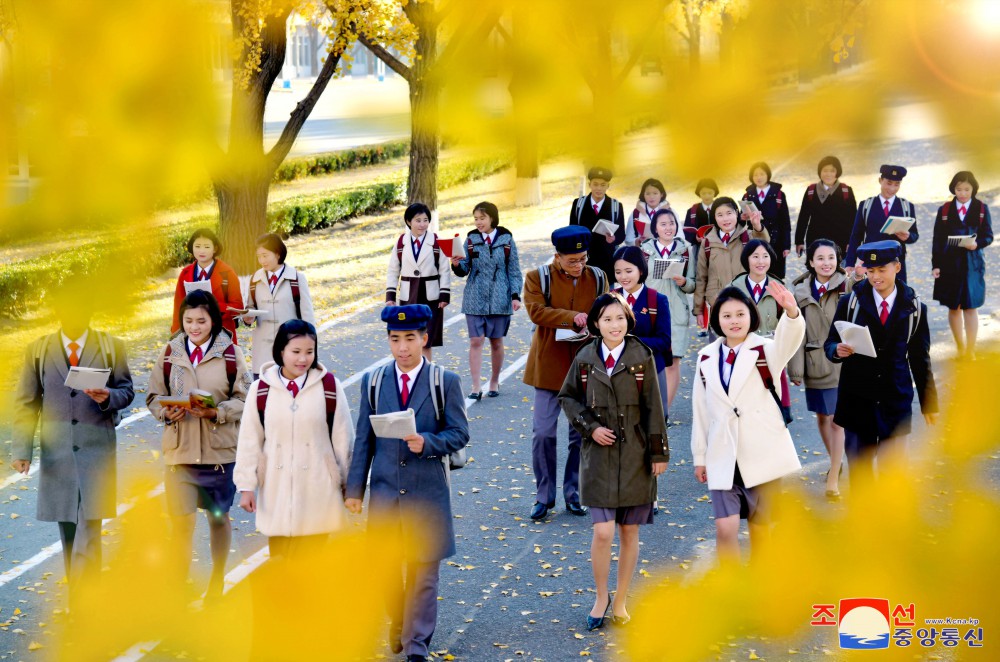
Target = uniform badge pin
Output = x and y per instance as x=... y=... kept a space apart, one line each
x=401 y=316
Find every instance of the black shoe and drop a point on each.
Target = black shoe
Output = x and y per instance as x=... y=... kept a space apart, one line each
x=476 y=396
x=594 y=623
x=493 y=394
x=541 y=510
x=574 y=508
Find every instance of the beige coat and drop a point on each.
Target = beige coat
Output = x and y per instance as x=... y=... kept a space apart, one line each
x=409 y=272
x=768 y=308
x=810 y=364
x=194 y=440
x=717 y=271
x=281 y=307
x=297 y=467
x=744 y=424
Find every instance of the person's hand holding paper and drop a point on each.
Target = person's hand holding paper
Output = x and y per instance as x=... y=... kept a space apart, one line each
x=858 y=337
x=396 y=425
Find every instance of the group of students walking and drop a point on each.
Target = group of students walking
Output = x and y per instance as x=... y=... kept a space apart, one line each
x=611 y=328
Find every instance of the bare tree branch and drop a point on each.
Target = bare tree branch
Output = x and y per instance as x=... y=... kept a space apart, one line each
x=383 y=54
x=637 y=47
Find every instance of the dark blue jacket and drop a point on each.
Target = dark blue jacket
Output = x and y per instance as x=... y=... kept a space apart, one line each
x=962 y=282
x=656 y=338
x=601 y=252
x=409 y=492
x=869 y=229
x=776 y=219
x=875 y=395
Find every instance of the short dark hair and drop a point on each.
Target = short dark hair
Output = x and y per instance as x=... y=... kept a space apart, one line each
x=415 y=210
x=966 y=177
x=656 y=183
x=289 y=331
x=656 y=218
x=422 y=330
x=749 y=249
x=634 y=256
x=273 y=243
x=205 y=233
x=818 y=244
x=202 y=299
x=720 y=202
x=763 y=166
x=832 y=161
x=490 y=210
x=733 y=294
x=706 y=182
x=603 y=302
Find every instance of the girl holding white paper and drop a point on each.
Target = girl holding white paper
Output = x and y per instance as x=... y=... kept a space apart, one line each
x=959 y=270
x=418 y=273
x=669 y=244
x=493 y=293
x=280 y=291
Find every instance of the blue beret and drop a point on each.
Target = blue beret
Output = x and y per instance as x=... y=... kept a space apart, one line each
x=893 y=172
x=407 y=318
x=571 y=239
x=599 y=173
x=878 y=253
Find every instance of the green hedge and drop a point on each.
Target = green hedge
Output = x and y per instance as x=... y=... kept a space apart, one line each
x=324 y=164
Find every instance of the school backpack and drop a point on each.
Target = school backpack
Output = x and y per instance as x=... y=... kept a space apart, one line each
x=437 y=251
x=329 y=394
x=296 y=294
x=455 y=460
x=907 y=208
x=229 y=353
x=650 y=303
x=844 y=190
x=744 y=239
x=947 y=208
x=615 y=209
x=764 y=371
x=107 y=346
x=506 y=250
x=585 y=369
x=914 y=321
x=545 y=281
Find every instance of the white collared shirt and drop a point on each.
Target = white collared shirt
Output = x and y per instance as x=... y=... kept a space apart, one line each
x=81 y=341
x=599 y=203
x=882 y=201
x=300 y=381
x=412 y=375
x=198 y=271
x=613 y=353
x=204 y=349
x=707 y=208
x=727 y=370
x=764 y=191
x=966 y=204
x=277 y=275
x=660 y=248
x=891 y=300
x=635 y=294
x=763 y=288
x=492 y=236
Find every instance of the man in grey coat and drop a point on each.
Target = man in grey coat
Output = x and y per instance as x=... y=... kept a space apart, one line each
x=77 y=445
x=410 y=496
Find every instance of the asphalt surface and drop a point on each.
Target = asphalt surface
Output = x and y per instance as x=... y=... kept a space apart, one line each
x=516 y=589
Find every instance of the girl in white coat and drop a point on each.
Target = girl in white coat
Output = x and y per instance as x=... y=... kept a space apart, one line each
x=739 y=441
x=291 y=458
x=281 y=291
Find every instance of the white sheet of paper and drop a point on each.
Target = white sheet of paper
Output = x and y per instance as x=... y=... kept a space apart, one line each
x=396 y=425
x=898 y=224
x=205 y=285
x=607 y=228
x=84 y=378
x=962 y=241
x=747 y=207
x=569 y=335
x=857 y=336
x=251 y=312
x=458 y=247
x=667 y=268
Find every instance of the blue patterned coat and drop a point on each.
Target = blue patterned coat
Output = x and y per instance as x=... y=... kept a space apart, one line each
x=494 y=276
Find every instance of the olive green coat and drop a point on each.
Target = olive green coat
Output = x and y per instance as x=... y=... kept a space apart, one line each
x=618 y=475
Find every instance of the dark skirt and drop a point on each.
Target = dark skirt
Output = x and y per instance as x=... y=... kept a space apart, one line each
x=435 y=329
x=623 y=514
x=822 y=400
x=205 y=486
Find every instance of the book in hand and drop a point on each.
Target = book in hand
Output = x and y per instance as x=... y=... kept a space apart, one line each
x=203 y=285
x=177 y=401
x=858 y=337
x=195 y=398
x=250 y=312
x=396 y=425
x=454 y=247
x=963 y=241
x=898 y=224
x=570 y=335
x=87 y=378
x=668 y=268
x=607 y=228
x=747 y=207
x=642 y=230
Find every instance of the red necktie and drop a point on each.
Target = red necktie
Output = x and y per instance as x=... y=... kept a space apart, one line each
x=664 y=252
x=416 y=245
x=74 y=358
x=821 y=290
x=596 y=209
x=961 y=212
x=609 y=362
x=488 y=242
x=731 y=359
x=196 y=356
x=293 y=388
x=272 y=279
x=886 y=207
x=203 y=275
x=885 y=312
x=725 y=238
x=631 y=300
x=405 y=393
x=761 y=196
x=756 y=292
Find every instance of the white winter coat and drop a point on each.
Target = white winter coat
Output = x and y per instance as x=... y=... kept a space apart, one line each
x=296 y=466
x=411 y=272
x=744 y=424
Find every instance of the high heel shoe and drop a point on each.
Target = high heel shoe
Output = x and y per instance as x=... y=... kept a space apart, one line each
x=594 y=623
x=476 y=396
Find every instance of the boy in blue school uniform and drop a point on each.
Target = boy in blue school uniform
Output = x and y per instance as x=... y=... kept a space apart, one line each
x=875 y=211
x=410 y=495
x=588 y=209
x=875 y=395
